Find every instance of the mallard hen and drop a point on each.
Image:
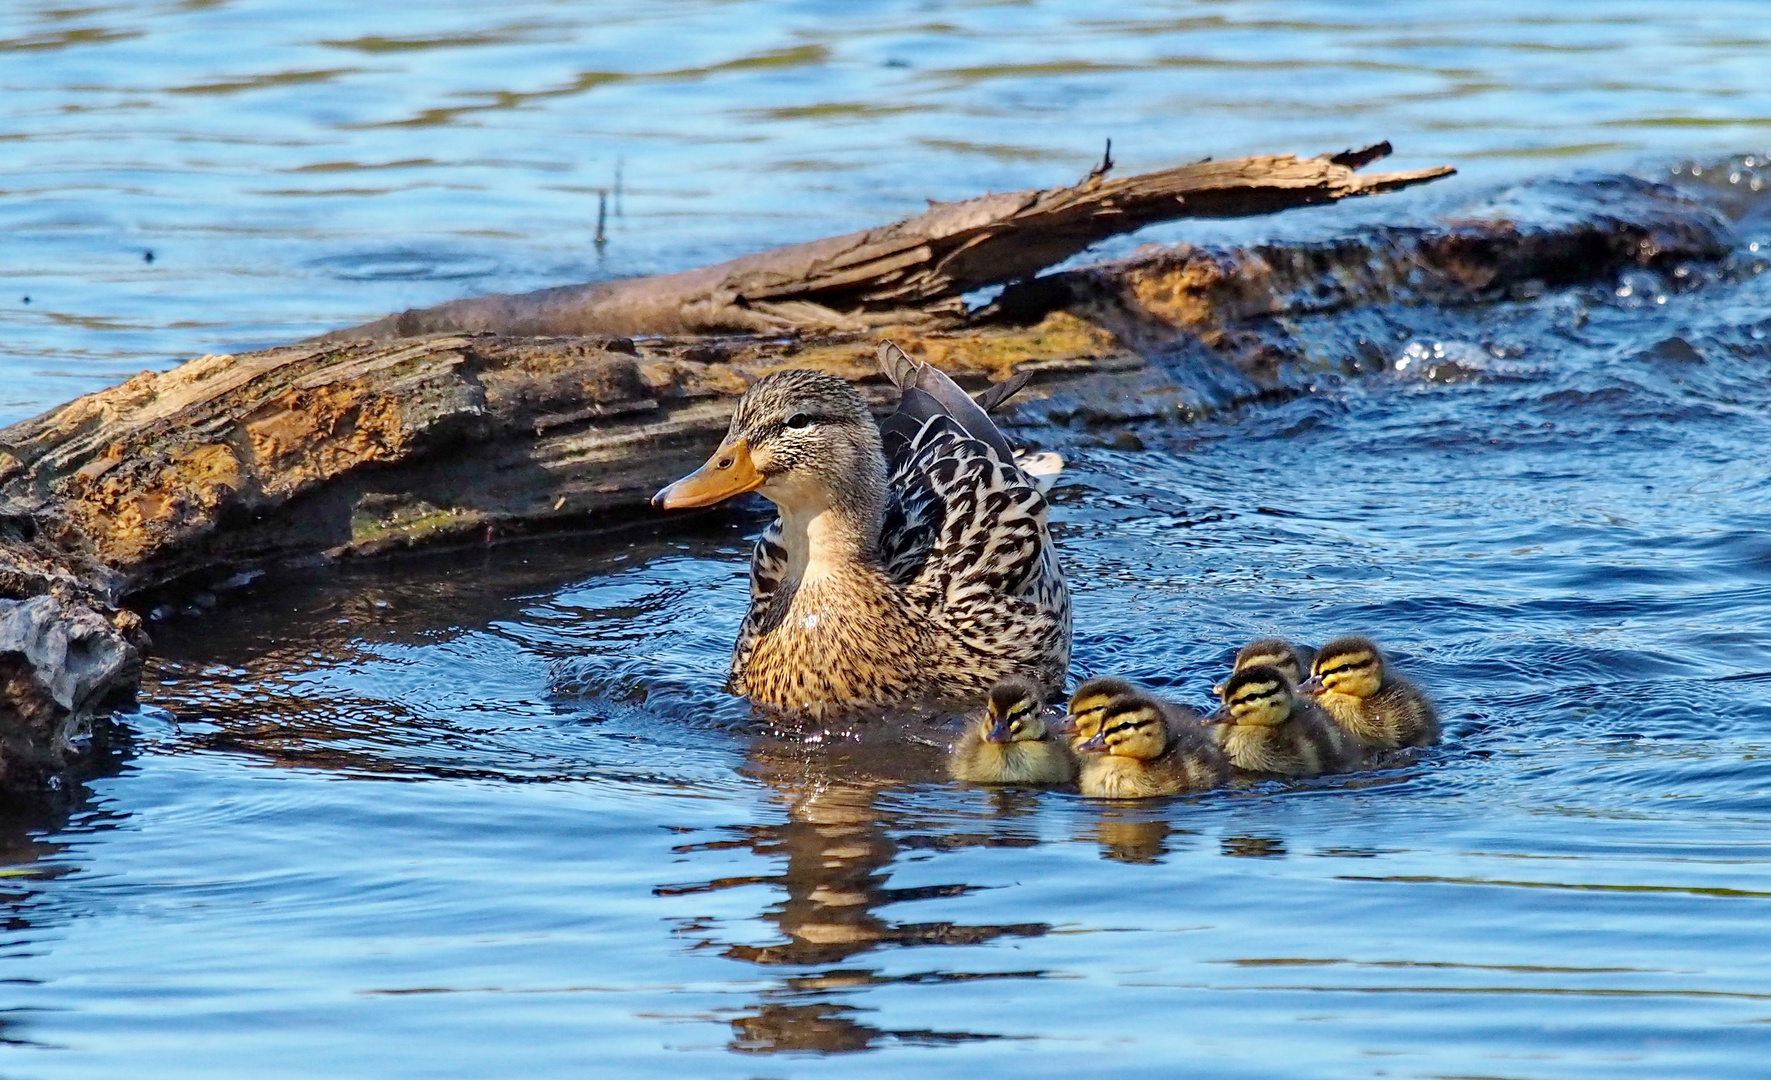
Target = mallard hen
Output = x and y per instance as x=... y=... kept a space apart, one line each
x=911 y=562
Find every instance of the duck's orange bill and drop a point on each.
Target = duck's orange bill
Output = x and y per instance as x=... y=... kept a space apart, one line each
x=727 y=473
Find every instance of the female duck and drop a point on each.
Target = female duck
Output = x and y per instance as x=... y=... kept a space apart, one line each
x=906 y=566
x=1378 y=708
x=1011 y=743
x=1263 y=727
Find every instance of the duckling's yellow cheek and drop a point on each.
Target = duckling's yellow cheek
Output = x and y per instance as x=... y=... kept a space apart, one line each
x=1362 y=683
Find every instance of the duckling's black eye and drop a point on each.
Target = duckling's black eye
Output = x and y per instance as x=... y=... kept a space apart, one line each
x=798 y=420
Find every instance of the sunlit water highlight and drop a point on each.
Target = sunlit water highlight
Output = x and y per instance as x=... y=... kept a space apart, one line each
x=488 y=814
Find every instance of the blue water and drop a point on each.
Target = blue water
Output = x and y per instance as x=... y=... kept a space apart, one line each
x=488 y=815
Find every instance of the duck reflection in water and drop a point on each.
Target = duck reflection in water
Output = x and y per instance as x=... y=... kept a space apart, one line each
x=839 y=855
x=1135 y=834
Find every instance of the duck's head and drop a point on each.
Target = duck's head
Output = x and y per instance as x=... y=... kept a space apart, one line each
x=1351 y=665
x=1273 y=653
x=1258 y=696
x=1083 y=720
x=1012 y=712
x=1132 y=726
x=803 y=439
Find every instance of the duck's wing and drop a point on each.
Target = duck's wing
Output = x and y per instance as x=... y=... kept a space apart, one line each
x=977 y=555
x=912 y=522
x=768 y=565
x=926 y=393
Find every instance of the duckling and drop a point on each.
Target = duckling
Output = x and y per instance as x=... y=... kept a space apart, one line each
x=1144 y=748
x=1011 y=743
x=1263 y=727
x=1378 y=708
x=1293 y=661
x=1087 y=705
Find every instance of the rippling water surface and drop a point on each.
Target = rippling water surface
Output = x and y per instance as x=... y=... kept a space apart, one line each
x=487 y=815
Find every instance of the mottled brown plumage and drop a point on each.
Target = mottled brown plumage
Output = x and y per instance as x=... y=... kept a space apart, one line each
x=1378 y=708
x=1146 y=748
x=1011 y=743
x=905 y=567
x=1263 y=727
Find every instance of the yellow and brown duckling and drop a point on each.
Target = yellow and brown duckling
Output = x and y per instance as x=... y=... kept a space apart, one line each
x=1011 y=743
x=1143 y=747
x=911 y=560
x=1292 y=660
x=1083 y=720
x=1377 y=707
x=1264 y=727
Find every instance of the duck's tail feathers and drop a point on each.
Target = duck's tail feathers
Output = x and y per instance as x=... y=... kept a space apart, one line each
x=1042 y=468
x=997 y=393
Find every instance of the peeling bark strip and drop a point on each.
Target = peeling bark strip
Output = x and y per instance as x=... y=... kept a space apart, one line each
x=356 y=447
x=914 y=271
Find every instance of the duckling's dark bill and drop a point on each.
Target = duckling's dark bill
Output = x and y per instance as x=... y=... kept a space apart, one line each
x=727 y=473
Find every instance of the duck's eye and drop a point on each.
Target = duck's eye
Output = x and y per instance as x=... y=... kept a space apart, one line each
x=798 y=420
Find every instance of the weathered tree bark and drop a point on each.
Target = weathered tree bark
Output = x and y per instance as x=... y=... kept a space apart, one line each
x=911 y=272
x=341 y=448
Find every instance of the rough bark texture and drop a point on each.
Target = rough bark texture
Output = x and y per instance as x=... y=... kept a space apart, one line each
x=341 y=448
x=913 y=271
x=59 y=662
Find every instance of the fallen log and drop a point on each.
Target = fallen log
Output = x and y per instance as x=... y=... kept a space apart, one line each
x=911 y=272
x=334 y=449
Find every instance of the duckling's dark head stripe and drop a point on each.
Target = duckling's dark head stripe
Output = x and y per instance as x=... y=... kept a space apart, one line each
x=1270 y=651
x=1347 y=654
x=1125 y=726
x=1256 y=684
x=1127 y=715
x=1012 y=692
x=1103 y=688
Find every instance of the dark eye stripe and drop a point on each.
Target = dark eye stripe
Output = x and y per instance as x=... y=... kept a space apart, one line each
x=1129 y=725
x=1346 y=667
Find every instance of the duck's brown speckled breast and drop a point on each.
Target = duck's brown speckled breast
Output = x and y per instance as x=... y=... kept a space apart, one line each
x=843 y=641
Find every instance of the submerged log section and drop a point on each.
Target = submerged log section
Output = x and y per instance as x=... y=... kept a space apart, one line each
x=351 y=447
